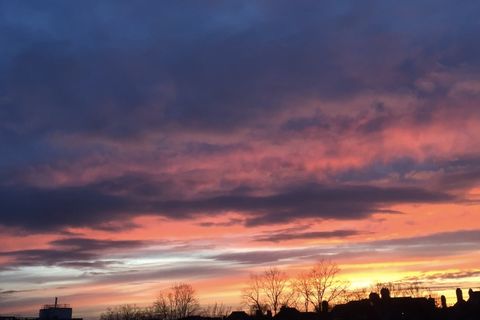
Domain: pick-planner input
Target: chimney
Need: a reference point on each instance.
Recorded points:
(444, 301)
(459, 295)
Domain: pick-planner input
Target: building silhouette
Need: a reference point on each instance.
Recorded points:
(381, 307)
(53, 311)
(376, 307)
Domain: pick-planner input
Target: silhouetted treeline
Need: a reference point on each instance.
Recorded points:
(315, 294)
(376, 307)
(308, 290)
(179, 302)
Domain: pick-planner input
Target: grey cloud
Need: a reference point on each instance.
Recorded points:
(467, 237)
(72, 252)
(448, 275)
(96, 244)
(96, 205)
(285, 236)
(256, 257)
(230, 222)
(160, 273)
(256, 56)
(433, 245)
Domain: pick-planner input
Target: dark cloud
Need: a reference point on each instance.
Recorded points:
(201, 149)
(72, 252)
(209, 104)
(163, 273)
(401, 167)
(316, 121)
(161, 66)
(9, 292)
(466, 237)
(377, 122)
(256, 257)
(285, 236)
(47, 256)
(98, 204)
(230, 222)
(461, 173)
(99, 264)
(454, 175)
(95, 244)
(447, 275)
(367, 120)
(432, 245)
(346, 202)
(40, 209)
(159, 69)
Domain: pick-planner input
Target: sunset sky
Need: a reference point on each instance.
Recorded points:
(144, 143)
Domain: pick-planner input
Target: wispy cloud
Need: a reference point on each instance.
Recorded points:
(169, 135)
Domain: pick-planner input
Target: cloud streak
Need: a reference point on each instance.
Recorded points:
(81, 206)
(164, 135)
(71, 252)
(285, 236)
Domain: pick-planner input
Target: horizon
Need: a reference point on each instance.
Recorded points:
(161, 142)
(399, 290)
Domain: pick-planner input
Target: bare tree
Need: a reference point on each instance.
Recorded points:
(252, 294)
(411, 289)
(178, 302)
(303, 287)
(148, 313)
(403, 288)
(276, 287)
(268, 290)
(356, 294)
(186, 302)
(163, 308)
(325, 283)
(123, 312)
(216, 310)
(391, 286)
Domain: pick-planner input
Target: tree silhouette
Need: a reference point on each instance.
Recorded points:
(303, 287)
(216, 310)
(252, 295)
(270, 289)
(325, 285)
(125, 312)
(403, 288)
(276, 286)
(178, 302)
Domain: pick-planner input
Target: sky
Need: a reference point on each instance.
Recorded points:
(152, 142)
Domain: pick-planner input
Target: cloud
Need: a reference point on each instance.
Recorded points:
(9, 292)
(461, 173)
(432, 245)
(102, 202)
(438, 276)
(440, 244)
(271, 112)
(72, 252)
(59, 207)
(285, 236)
(256, 257)
(460, 237)
(80, 113)
(163, 273)
(259, 58)
(95, 244)
(230, 222)
(345, 202)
